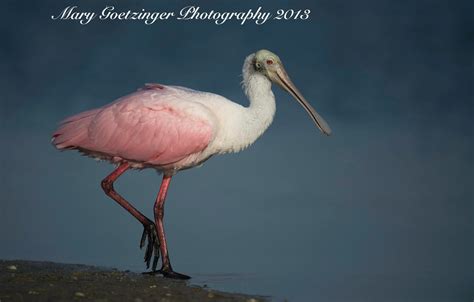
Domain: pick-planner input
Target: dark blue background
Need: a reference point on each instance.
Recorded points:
(381, 210)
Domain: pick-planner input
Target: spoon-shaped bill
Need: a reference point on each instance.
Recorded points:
(285, 82)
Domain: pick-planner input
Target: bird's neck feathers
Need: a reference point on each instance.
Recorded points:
(258, 116)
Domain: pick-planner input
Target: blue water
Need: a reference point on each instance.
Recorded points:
(357, 287)
(380, 211)
(343, 226)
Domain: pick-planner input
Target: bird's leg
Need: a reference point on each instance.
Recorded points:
(149, 230)
(158, 208)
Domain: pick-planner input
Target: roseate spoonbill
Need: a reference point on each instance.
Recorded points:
(171, 128)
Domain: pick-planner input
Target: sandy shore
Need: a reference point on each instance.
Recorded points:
(48, 281)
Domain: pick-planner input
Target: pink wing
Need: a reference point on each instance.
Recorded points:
(157, 125)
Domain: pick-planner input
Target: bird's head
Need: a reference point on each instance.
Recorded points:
(270, 65)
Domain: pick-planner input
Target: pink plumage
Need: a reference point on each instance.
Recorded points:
(172, 128)
(151, 127)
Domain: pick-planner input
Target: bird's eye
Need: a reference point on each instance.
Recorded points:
(269, 62)
(258, 65)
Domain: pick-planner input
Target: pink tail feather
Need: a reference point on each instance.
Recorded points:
(73, 131)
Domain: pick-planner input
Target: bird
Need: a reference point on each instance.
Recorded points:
(172, 128)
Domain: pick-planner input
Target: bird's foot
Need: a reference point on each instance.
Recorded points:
(174, 275)
(152, 247)
(168, 273)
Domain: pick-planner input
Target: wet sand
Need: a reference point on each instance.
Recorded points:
(48, 281)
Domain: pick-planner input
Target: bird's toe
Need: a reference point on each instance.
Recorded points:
(150, 237)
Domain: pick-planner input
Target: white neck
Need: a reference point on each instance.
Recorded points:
(255, 118)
